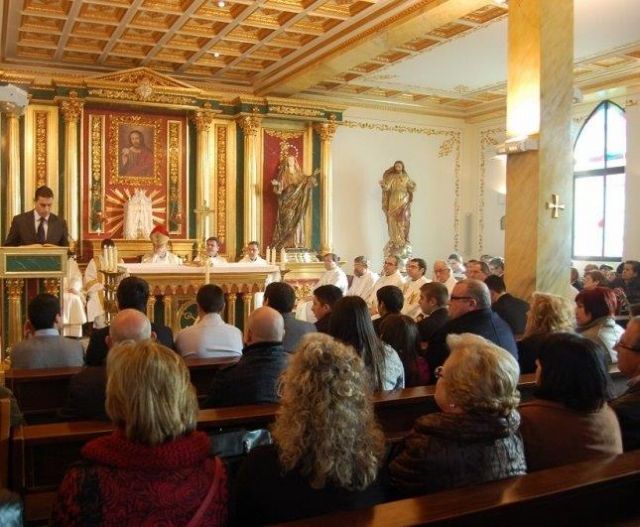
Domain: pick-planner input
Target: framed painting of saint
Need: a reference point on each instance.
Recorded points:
(136, 153)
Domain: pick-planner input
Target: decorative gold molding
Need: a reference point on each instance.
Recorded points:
(451, 144)
(283, 135)
(174, 162)
(132, 95)
(96, 171)
(290, 110)
(250, 124)
(41, 131)
(487, 139)
(202, 119)
(326, 131)
(221, 176)
(72, 107)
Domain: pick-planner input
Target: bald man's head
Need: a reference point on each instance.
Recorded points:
(265, 325)
(129, 324)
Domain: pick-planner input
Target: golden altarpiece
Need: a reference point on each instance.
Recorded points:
(203, 151)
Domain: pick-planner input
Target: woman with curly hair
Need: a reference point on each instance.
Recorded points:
(351, 324)
(475, 437)
(327, 445)
(547, 314)
(154, 454)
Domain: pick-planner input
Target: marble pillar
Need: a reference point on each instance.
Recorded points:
(250, 125)
(539, 101)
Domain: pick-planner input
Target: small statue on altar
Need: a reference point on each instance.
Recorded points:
(293, 189)
(397, 195)
(138, 216)
(161, 253)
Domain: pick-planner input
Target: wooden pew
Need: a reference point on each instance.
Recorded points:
(587, 493)
(41, 393)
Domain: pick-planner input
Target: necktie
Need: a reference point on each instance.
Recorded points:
(40, 234)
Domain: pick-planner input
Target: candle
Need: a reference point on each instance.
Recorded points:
(115, 258)
(207, 270)
(268, 255)
(104, 259)
(283, 257)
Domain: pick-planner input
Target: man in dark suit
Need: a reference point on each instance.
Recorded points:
(434, 299)
(87, 389)
(38, 225)
(281, 297)
(470, 312)
(511, 309)
(133, 293)
(390, 301)
(324, 298)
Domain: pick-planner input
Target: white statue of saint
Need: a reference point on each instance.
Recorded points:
(138, 216)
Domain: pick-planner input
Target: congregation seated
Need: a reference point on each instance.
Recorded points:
(87, 389)
(478, 270)
(510, 309)
(470, 312)
(254, 378)
(44, 347)
(310, 470)
(401, 333)
(390, 276)
(594, 279)
(324, 298)
(132, 293)
(496, 266)
(443, 274)
(627, 406)
(154, 468)
(390, 300)
(547, 314)
(282, 297)
(456, 264)
(575, 279)
(333, 275)
(364, 280)
(474, 438)
(629, 281)
(210, 336)
(595, 311)
(434, 302)
(351, 324)
(569, 420)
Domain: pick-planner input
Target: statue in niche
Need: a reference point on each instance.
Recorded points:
(138, 216)
(397, 195)
(293, 189)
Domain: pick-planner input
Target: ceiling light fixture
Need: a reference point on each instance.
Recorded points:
(221, 3)
(216, 54)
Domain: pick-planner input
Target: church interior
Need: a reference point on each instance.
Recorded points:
(190, 109)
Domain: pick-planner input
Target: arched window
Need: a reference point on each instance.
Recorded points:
(598, 184)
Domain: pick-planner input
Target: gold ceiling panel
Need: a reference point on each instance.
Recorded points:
(85, 44)
(80, 58)
(47, 7)
(609, 62)
(85, 29)
(42, 24)
(154, 19)
(449, 30)
(485, 14)
(101, 13)
(42, 40)
(35, 53)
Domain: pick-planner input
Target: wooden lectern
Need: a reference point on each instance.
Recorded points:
(31, 262)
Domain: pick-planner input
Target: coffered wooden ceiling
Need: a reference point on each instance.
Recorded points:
(335, 49)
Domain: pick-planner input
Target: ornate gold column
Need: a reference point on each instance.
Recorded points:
(247, 305)
(250, 125)
(539, 100)
(326, 131)
(15, 287)
(151, 307)
(202, 119)
(71, 110)
(14, 204)
(231, 308)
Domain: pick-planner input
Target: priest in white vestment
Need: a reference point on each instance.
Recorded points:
(212, 246)
(333, 275)
(416, 268)
(364, 279)
(138, 216)
(391, 276)
(73, 315)
(161, 254)
(443, 273)
(252, 255)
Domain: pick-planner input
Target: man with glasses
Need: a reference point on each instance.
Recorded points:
(627, 406)
(364, 279)
(443, 273)
(416, 268)
(390, 276)
(470, 312)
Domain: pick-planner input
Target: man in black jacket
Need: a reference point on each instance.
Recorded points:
(282, 297)
(470, 312)
(132, 293)
(627, 406)
(511, 309)
(434, 301)
(254, 378)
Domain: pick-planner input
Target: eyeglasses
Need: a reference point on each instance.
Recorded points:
(461, 297)
(439, 372)
(390, 263)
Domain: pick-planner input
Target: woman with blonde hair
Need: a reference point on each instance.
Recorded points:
(475, 437)
(547, 314)
(155, 468)
(327, 445)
